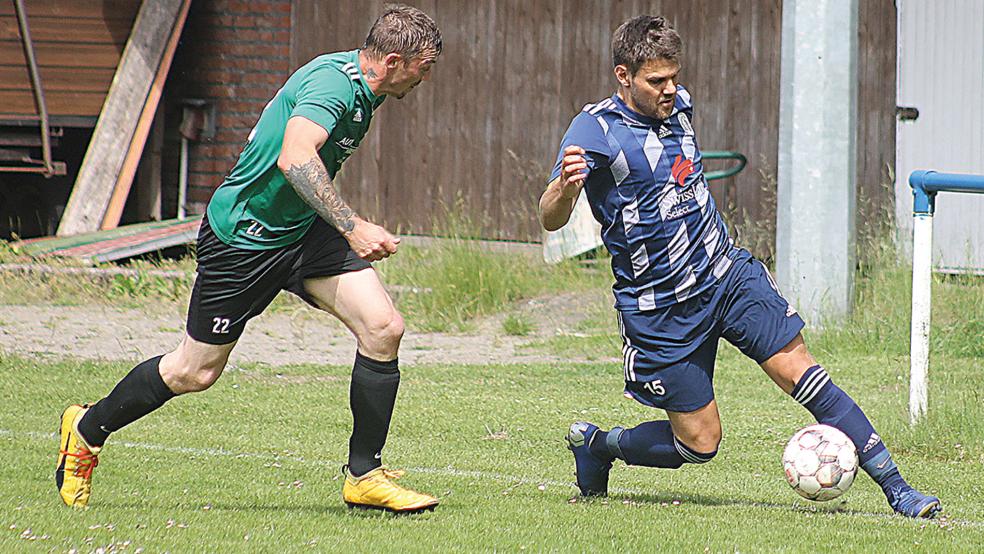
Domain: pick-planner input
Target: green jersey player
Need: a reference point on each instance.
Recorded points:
(278, 223)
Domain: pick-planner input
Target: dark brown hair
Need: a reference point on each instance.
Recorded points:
(644, 38)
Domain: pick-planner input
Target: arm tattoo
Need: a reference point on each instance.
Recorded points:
(312, 183)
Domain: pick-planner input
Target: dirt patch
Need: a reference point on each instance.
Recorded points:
(301, 336)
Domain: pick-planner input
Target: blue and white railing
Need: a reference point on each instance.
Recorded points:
(925, 185)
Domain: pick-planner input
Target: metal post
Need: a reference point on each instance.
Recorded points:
(32, 66)
(925, 185)
(183, 178)
(815, 194)
(922, 275)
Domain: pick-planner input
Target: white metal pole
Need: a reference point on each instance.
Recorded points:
(183, 178)
(922, 272)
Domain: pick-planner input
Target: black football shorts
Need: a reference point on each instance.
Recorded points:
(234, 284)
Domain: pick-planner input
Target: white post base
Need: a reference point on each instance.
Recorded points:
(922, 272)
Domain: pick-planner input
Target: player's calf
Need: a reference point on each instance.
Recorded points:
(653, 444)
(139, 393)
(832, 406)
(650, 444)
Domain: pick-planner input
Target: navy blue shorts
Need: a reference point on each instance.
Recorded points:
(668, 355)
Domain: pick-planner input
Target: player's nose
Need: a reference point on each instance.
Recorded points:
(670, 87)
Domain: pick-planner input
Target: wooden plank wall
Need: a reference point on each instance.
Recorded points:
(78, 45)
(480, 138)
(876, 116)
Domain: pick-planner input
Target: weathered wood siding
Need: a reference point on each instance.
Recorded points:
(77, 44)
(481, 137)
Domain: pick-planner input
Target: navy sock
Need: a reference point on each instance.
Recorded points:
(650, 444)
(136, 395)
(832, 406)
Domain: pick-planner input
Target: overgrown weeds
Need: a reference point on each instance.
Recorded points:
(444, 286)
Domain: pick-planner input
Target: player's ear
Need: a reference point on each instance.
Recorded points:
(623, 76)
(392, 60)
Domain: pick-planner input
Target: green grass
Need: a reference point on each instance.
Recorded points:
(458, 281)
(254, 464)
(517, 325)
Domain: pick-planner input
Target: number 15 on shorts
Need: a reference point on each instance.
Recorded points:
(655, 387)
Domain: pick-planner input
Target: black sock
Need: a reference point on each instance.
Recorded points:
(136, 395)
(372, 396)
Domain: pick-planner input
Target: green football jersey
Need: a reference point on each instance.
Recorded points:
(255, 208)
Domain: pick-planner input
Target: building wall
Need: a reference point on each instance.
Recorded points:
(77, 45)
(234, 54)
(941, 73)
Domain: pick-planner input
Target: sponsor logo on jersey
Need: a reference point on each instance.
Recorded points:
(347, 144)
(358, 115)
(663, 132)
(682, 168)
(673, 206)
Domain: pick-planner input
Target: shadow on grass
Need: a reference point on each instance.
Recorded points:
(674, 499)
(333, 509)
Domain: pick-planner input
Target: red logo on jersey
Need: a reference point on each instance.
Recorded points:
(682, 168)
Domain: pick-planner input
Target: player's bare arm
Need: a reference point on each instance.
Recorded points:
(557, 202)
(308, 176)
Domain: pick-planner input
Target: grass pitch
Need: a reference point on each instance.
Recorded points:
(253, 465)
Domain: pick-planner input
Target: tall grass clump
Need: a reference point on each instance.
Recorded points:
(880, 320)
(448, 284)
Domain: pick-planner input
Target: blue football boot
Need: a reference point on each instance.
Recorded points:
(591, 471)
(909, 502)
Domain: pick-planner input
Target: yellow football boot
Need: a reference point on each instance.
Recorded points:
(377, 491)
(76, 460)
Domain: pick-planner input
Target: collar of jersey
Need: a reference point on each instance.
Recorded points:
(634, 115)
(362, 79)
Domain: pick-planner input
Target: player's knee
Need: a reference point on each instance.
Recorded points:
(383, 334)
(697, 452)
(183, 376)
(705, 442)
(203, 377)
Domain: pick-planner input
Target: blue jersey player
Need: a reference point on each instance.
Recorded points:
(680, 283)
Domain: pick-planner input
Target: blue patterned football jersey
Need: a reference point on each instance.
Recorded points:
(646, 188)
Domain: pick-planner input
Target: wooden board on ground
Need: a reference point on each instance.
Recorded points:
(116, 244)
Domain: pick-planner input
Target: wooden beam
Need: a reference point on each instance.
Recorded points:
(125, 178)
(125, 118)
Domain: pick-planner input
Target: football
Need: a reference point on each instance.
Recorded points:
(820, 462)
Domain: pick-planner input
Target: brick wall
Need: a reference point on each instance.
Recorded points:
(234, 54)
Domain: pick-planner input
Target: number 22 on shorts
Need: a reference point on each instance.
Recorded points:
(220, 326)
